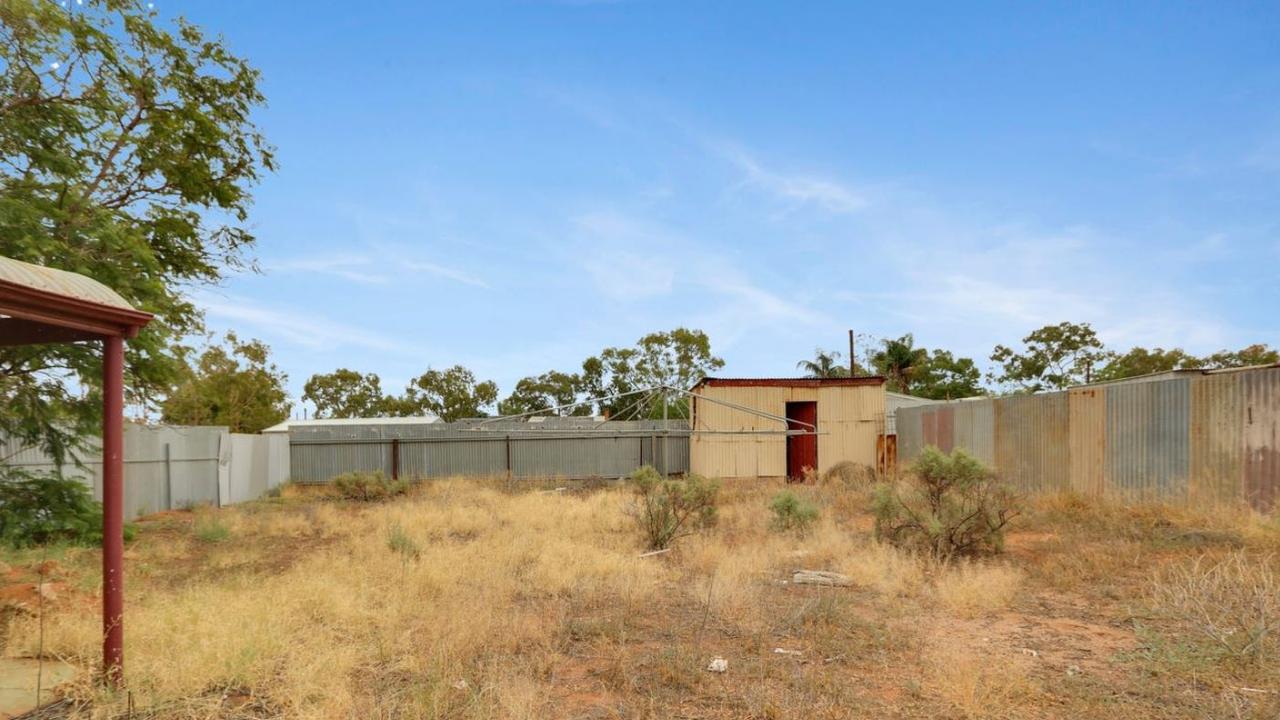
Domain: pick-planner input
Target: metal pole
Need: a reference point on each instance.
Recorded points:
(395, 458)
(168, 477)
(853, 364)
(113, 510)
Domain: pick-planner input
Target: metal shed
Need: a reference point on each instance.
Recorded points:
(778, 427)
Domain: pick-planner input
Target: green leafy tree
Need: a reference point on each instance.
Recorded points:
(450, 394)
(900, 361)
(127, 154)
(1252, 355)
(946, 377)
(237, 386)
(538, 394)
(1055, 357)
(1141, 361)
(825, 364)
(676, 359)
(346, 393)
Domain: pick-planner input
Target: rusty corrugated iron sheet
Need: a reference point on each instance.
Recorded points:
(1217, 439)
(1087, 430)
(1031, 443)
(1262, 438)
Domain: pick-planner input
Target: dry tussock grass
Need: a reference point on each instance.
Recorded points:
(506, 604)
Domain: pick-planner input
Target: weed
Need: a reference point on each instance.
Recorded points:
(399, 542)
(209, 528)
(1233, 604)
(792, 513)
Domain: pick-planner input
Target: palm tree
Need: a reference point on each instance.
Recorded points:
(899, 360)
(824, 364)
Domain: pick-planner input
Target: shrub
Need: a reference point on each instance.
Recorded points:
(670, 508)
(368, 486)
(948, 505)
(1233, 604)
(41, 508)
(792, 513)
(850, 475)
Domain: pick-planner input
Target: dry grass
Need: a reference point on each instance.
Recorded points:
(472, 599)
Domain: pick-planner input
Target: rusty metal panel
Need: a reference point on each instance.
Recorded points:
(1217, 439)
(1031, 441)
(1087, 409)
(1148, 440)
(946, 426)
(929, 427)
(1262, 438)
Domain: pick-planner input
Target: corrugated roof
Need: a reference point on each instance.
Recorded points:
(60, 282)
(326, 422)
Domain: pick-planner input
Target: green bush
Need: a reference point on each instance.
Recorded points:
(42, 508)
(399, 542)
(669, 508)
(368, 486)
(791, 512)
(947, 505)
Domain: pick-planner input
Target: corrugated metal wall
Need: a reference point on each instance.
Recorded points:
(167, 467)
(850, 417)
(1199, 438)
(556, 447)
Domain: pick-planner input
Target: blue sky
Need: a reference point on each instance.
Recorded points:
(515, 186)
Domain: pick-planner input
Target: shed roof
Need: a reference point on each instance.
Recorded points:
(868, 380)
(41, 305)
(60, 282)
(351, 422)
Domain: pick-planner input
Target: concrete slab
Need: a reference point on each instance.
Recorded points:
(18, 683)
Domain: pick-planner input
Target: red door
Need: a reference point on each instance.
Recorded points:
(802, 450)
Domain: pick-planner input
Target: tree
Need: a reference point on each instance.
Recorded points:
(944, 377)
(900, 361)
(1056, 357)
(1141, 361)
(825, 363)
(450, 395)
(1251, 355)
(345, 393)
(677, 358)
(126, 154)
(541, 393)
(236, 386)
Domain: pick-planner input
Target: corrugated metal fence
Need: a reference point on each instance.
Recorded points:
(1190, 437)
(168, 467)
(552, 447)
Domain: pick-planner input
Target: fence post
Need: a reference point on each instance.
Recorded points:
(395, 458)
(509, 473)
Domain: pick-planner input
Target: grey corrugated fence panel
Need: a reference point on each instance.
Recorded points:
(153, 480)
(258, 463)
(1148, 439)
(908, 424)
(1031, 441)
(577, 448)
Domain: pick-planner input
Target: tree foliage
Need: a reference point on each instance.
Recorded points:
(900, 361)
(946, 377)
(237, 386)
(538, 394)
(1141, 361)
(825, 364)
(1054, 357)
(450, 394)
(1244, 357)
(126, 153)
(346, 393)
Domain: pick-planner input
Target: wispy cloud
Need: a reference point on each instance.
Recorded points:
(795, 189)
(303, 328)
(445, 272)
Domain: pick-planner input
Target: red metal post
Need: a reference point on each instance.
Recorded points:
(113, 510)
